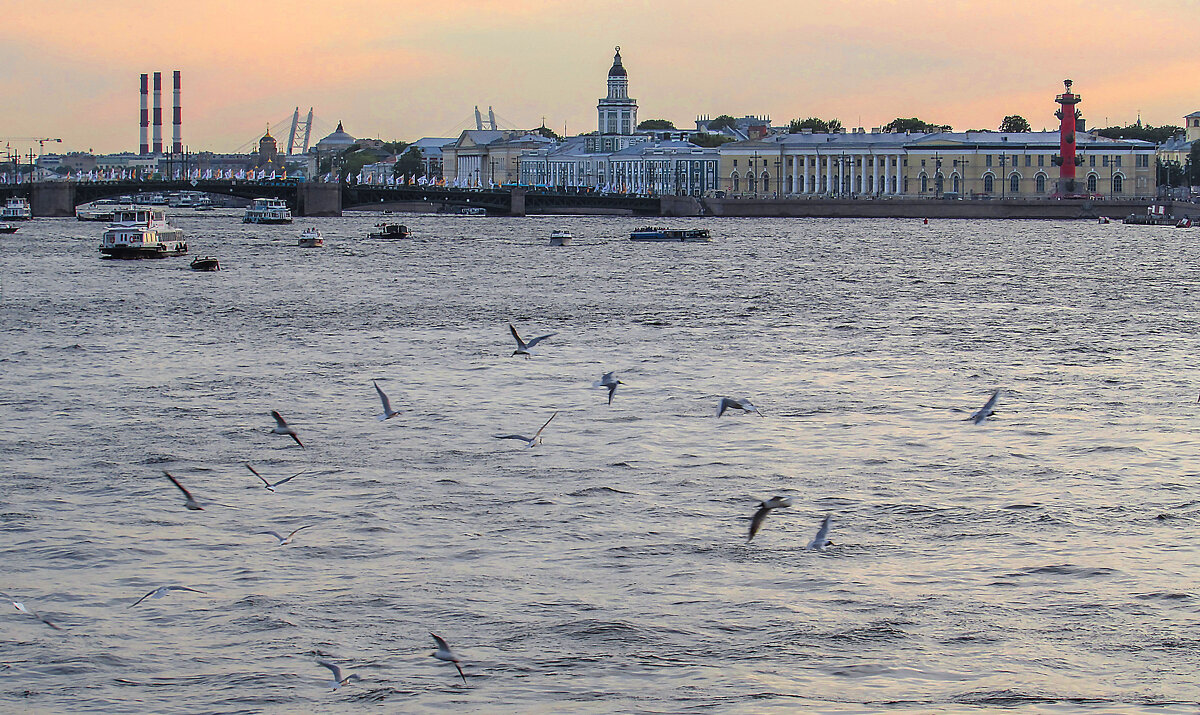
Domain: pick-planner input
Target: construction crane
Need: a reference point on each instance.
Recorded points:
(40, 140)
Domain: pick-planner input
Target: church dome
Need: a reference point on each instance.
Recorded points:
(338, 140)
(617, 70)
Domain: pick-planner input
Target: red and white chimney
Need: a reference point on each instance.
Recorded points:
(144, 127)
(177, 122)
(158, 149)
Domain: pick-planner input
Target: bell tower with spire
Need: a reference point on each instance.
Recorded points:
(617, 113)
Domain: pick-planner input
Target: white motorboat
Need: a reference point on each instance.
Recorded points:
(311, 238)
(561, 238)
(16, 209)
(271, 211)
(142, 232)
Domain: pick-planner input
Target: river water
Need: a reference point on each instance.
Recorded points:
(1044, 561)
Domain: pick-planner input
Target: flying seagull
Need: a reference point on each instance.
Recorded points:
(765, 508)
(533, 441)
(729, 403)
(190, 502)
(338, 681)
(522, 346)
(162, 591)
(281, 427)
(610, 381)
(21, 607)
(388, 412)
(268, 485)
(986, 411)
(285, 540)
(821, 540)
(443, 652)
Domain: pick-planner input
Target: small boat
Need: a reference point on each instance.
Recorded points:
(7, 228)
(1105, 219)
(204, 204)
(16, 209)
(390, 230)
(311, 238)
(472, 211)
(561, 238)
(1184, 222)
(208, 263)
(660, 234)
(269, 211)
(142, 232)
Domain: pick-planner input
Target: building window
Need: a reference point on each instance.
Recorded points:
(1041, 159)
(1118, 184)
(955, 179)
(924, 183)
(1014, 183)
(922, 163)
(1091, 184)
(766, 179)
(1092, 160)
(987, 160)
(1104, 160)
(751, 184)
(1041, 183)
(1117, 160)
(989, 183)
(735, 182)
(1028, 160)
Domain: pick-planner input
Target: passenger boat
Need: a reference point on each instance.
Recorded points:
(561, 238)
(7, 228)
(102, 210)
(273, 211)
(658, 233)
(390, 230)
(204, 204)
(1184, 222)
(472, 211)
(16, 209)
(142, 232)
(1105, 219)
(311, 238)
(208, 263)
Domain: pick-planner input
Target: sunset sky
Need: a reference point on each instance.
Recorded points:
(407, 70)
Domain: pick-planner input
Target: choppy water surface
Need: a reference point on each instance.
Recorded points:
(1045, 560)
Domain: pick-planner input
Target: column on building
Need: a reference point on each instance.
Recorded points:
(828, 174)
(853, 173)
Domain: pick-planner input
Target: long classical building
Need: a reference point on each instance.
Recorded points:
(879, 164)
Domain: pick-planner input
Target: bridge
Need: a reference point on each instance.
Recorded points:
(59, 198)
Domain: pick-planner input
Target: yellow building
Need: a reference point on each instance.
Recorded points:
(487, 157)
(1177, 149)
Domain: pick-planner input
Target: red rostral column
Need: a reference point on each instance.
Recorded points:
(1069, 123)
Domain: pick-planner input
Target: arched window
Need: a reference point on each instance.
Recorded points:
(1091, 184)
(791, 189)
(766, 179)
(954, 179)
(989, 183)
(1118, 184)
(751, 184)
(1014, 183)
(734, 182)
(939, 183)
(1041, 183)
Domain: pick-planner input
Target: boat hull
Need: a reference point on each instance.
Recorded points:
(258, 219)
(128, 253)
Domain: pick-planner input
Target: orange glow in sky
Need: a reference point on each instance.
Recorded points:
(406, 70)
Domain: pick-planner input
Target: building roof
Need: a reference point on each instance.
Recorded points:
(618, 69)
(339, 137)
(1193, 115)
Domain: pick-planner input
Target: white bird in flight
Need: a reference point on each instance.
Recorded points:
(765, 508)
(22, 608)
(190, 502)
(522, 346)
(162, 591)
(271, 486)
(338, 681)
(986, 411)
(533, 441)
(729, 403)
(443, 652)
(285, 540)
(388, 412)
(610, 381)
(281, 427)
(821, 540)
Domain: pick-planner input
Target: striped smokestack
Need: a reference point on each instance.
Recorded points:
(177, 122)
(158, 112)
(144, 127)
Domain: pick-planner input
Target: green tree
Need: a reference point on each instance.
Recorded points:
(409, 163)
(1194, 164)
(652, 124)
(917, 126)
(818, 126)
(1170, 173)
(723, 121)
(547, 132)
(1015, 123)
(709, 141)
(1142, 132)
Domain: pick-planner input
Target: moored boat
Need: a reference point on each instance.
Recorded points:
(311, 238)
(676, 235)
(16, 209)
(207, 263)
(269, 211)
(561, 238)
(142, 232)
(7, 228)
(101, 210)
(1184, 222)
(390, 230)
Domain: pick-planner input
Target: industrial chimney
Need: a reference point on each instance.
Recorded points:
(158, 113)
(177, 125)
(144, 127)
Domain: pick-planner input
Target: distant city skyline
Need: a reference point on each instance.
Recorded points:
(403, 72)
